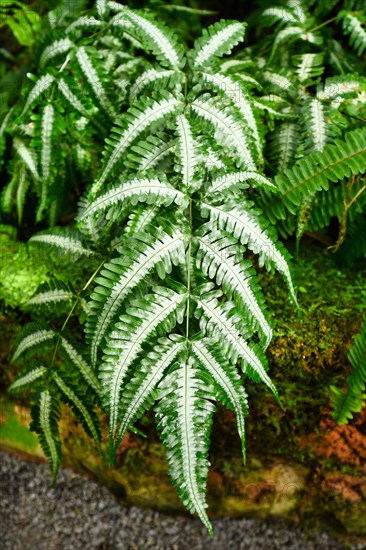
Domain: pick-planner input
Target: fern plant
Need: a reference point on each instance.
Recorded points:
(322, 113)
(183, 160)
(176, 318)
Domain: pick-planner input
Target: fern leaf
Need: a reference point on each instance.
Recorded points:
(186, 150)
(337, 161)
(140, 219)
(284, 145)
(41, 86)
(125, 342)
(46, 151)
(354, 399)
(32, 336)
(143, 190)
(157, 38)
(234, 91)
(71, 97)
(22, 189)
(84, 22)
(185, 417)
(217, 40)
(244, 225)
(87, 417)
(52, 293)
(141, 391)
(235, 179)
(151, 76)
(22, 381)
(27, 157)
(308, 66)
(46, 414)
(66, 241)
(282, 14)
(219, 259)
(214, 320)
(137, 122)
(230, 129)
(152, 152)
(79, 362)
(86, 65)
(354, 25)
(122, 274)
(229, 388)
(102, 7)
(317, 124)
(58, 47)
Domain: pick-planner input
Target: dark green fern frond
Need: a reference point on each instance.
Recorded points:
(351, 401)
(340, 160)
(46, 414)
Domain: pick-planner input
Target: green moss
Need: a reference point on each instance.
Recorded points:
(14, 433)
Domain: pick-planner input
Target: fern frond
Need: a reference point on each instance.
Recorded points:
(245, 225)
(308, 66)
(157, 38)
(84, 22)
(22, 189)
(86, 65)
(162, 308)
(102, 7)
(71, 98)
(79, 362)
(354, 399)
(354, 25)
(279, 14)
(66, 240)
(220, 259)
(228, 386)
(46, 413)
(32, 336)
(230, 181)
(234, 91)
(137, 119)
(313, 172)
(24, 380)
(141, 391)
(185, 416)
(58, 47)
(284, 144)
(215, 319)
(122, 274)
(134, 191)
(228, 129)
(155, 77)
(150, 153)
(88, 418)
(41, 86)
(217, 40)
(27, 156)
(52, 293)
(186, 151)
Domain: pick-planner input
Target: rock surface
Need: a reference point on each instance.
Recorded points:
(79, 513)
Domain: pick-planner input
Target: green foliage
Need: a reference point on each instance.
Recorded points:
(183, 164)
(351, 401)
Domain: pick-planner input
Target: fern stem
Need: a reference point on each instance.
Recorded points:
(322, 24)
(189, 269)
(72, 310)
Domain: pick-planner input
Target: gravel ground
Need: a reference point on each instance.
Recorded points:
(81, 514)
